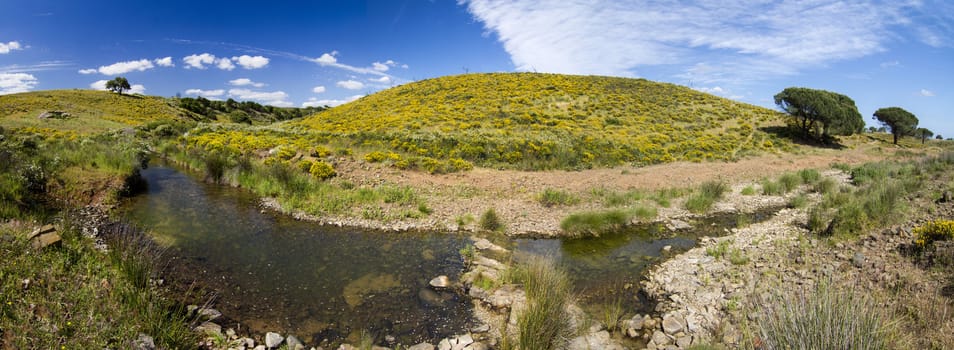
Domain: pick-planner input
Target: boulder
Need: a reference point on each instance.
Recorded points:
(44, 236)
(672, 324)
(858, 259)
(484, 244)
(440, 282)
(293, 343)
(597, 340)
(273, 340)
(661, 339)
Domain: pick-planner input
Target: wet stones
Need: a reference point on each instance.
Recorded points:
(273, 339)
(440, 282)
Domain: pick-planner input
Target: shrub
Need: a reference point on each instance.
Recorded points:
(645, 212)
(375, 157)
(938, 230)
(799, 201)
(789, 182)
(705, 197)
(748, 191)
(553, 197)
(595, 223)
(544, 324)
(825, 186)
(809, 176)
(322, 170)
(826, 318)
(771, 188)
(490, 221)
(215, 164)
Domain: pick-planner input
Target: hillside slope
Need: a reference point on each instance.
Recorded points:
(89, 111)
(545, 121)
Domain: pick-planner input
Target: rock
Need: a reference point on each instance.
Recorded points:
(209, 328)
(597, 340)
(208, 314)
(430, 297)
(667, 248)
(444, 344)
(41, 230)
(484, 328)
(477, 346)
(273, 340)
(858, 260)
(440, 282)
(260, 347)
(293, 343)
(946, 197)
(678, 225)
(54, 115)
(44, 237)
(661, 338)
(422, 346)
(484, 244)
(673, 324)
(144, 342)
(684, 341)
(487, 262)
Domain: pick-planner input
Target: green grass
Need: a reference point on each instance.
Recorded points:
(490, 221)
(595, 223)
(705, 196)
(826, 318)
(748, 191)
(553, 197)
(544, 324)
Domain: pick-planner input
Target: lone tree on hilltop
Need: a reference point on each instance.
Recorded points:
(821, 113)
(900, 121)
(118, 85)
(924, 134)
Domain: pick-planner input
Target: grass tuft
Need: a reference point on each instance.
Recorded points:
(595, 223)
(490, 221)
(553, 197)
(707, 194)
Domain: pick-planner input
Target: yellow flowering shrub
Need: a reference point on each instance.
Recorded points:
(939, 230)
(322, 170)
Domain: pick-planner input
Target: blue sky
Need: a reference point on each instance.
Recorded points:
(299, 53)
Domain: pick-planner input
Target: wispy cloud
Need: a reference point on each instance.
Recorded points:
(926, 93)
(164, 62)
(10, 46)
(37, 67)
(890, 64)
(11, 83)
(121, 67)
(318, 89)
(350, 84)
(205, 93)
(134, 89)
(715, 41)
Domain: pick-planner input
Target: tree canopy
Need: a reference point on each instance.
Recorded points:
(118, 85)
(820, 113)
(898, 120)
(924, 134)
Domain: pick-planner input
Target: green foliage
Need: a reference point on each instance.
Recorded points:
(544, 324)
(924, 134)
(820, 113)
(553, 197)
(809, 176)
(707, 194)
(490, 221)
(898, 120)
(748, 191)
(825, 186)
(772, 188)
(595, 223)
(826, 318)
(799, 201)
(322, 170)
(789, 182)
(118, 85)
(645, 212)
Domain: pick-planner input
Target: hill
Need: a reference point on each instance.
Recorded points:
(88, 111)
(550, 121)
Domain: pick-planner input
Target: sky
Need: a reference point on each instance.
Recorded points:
(313, 53)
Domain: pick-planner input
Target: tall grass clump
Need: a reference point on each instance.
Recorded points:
(553, 197)
(826, 318)
(809, 176)
(789, 182)
(490, 221)
(595, 223)
(545, 323)
(705, 196)
(877, 200)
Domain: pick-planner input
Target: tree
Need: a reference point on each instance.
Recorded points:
(821, 113)
(924, 134)
(118, 85)
(900, 121)
(939, 137)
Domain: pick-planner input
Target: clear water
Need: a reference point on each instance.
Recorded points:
(272, 273)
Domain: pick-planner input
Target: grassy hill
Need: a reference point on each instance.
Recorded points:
(89, 111)
(545, 121)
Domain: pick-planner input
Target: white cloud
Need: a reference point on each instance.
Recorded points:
(350, 84)
(251, 62)
(88, 71)
(205, 93)
(327, 58)
(275, 98)
(380, 67)
(224, 64)
(10, 46)
(382, 80)
(245, 82)
(741, 39)
(125, 67)
(134, 88)
(318, 89)
(11, 83)
(198, 61)
(314, 102)
(926, 93)
(717, 90)
(890, 64)
(164, 62)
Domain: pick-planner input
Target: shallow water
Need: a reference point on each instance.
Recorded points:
(273, 273)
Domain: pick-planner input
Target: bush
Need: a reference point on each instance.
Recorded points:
(375, 157)
(552, 197)
(938, 230)
(544, 324)
(771, 188)
(809, 176)
(789, 182)
(215, 164)
(825, 186)
(595, 223)
(826, 319)
(706, 196)
(490, 221)
(322, 170)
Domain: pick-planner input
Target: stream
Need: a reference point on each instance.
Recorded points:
(324, 284)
